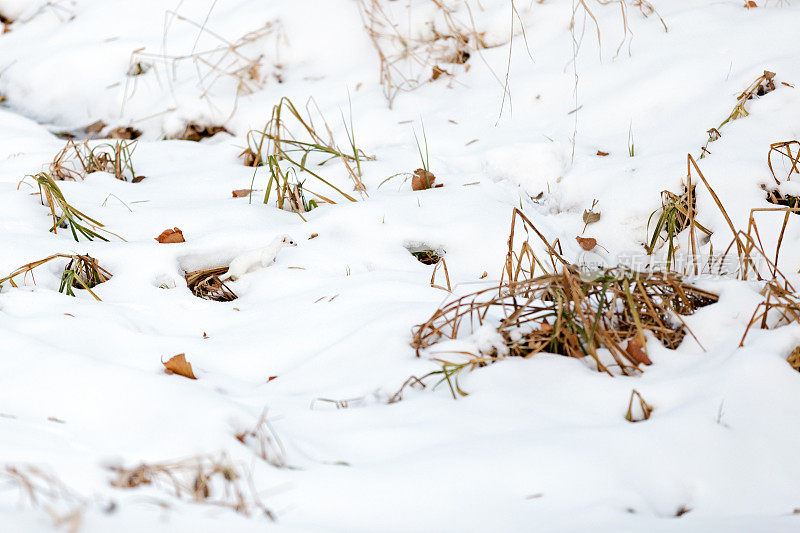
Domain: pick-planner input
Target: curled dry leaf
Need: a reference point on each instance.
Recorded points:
(170, 236)
(313, 236)
(602, 153)
(484, 275)
(241, 193)
(587, 243)
(637, 353)
(750, 4)
(438, 72)
(137, 179)
(179, 365)
(422, 180)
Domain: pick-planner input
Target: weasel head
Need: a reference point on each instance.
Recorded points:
(285, 240)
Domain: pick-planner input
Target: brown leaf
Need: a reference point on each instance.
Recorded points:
(95, 127)
(587, 243)
(171, 236)
(241, 193)
(750, 4)
(422, 180)
(137, 179)
(590, 217)
(124, 132)
(179, 365)
(636, 352)
(483, 276)
(602, 153)
(195, 132)
(438, 72)
(313, 236)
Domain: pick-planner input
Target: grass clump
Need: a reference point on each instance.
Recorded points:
(75, 161)
(81, 271)
(570, 315)
(210, 480)
(43, 490)
(291, 145)
(205, 283)
(65, 215)
(605, 316)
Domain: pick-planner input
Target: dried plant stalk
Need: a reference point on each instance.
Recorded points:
(212, 480)
(205, 283)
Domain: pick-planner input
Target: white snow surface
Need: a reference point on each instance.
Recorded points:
(539, 444)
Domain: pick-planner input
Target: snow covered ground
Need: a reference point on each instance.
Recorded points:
(538, 444)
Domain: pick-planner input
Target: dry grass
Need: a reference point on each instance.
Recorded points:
(64, 215)
(644, 409)
(205, 283)
(75, 161)
(42, 490)
(678, 213)
(784, 151)
(781, 306)
(240, 61)
(264, 442)
(564, 311)
(408, 61)
(776, 197)
(569, 315)
(759, 87)
(209, 480)
(291, 145)
(81, 271)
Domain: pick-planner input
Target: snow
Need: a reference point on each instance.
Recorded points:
(539, 443)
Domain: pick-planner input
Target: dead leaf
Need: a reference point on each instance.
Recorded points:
(422, 180)
(195, 132)
(590, 217)
(271, 378)
(313, 236)
(635, 350)
(205, 336)
(137, 179)
(179, 365)
(171, 236)
(483, 276)
(241, 193)
(601, 153)
(438, 72)
(587, 243)
(95, 127)
(750, 4)
(124, 132)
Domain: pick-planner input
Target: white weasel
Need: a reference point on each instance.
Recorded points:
(242, 263)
